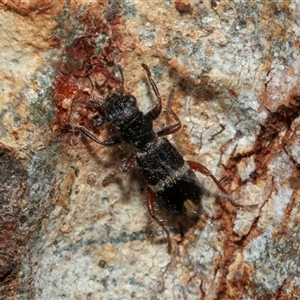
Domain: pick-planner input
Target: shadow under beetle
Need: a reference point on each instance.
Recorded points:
(171, 180)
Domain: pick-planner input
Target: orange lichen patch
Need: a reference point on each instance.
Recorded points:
(74, 86)
(95, 21)
(285, 232)
(277, 33)
(231, 248)
(273, 27)
(288, 290)
(181, 70)
(238, 278)
(234, 275)
(64, 90)
(25, 8)
(296, 42)
(202, 223)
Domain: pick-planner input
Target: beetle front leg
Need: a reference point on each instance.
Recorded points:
(112, 141)
(100, 119)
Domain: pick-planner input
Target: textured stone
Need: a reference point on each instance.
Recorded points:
(71, 228)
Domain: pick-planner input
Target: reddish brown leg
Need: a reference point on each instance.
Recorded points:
(122, 79)
(202, 169)
(156, 110)
(151, 209)
(170, 129)
(112, 141)
(173, 128)
(129, 163)
(94, 104)
(99, 119)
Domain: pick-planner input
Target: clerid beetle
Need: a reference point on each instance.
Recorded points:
(171, 180)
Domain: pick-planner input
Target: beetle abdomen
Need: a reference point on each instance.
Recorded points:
(172, 181)
(181, 196)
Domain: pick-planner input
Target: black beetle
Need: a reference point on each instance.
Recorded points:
(171, 180)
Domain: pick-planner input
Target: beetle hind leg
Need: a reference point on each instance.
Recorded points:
(151, 209)
(202, 169)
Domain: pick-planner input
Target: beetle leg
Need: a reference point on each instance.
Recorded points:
(129, 163)
(151, 209)
(112, 141)
(92, 103)
(202, 169)
(172, 128)
(156, 110)
(99, 120)
(122, 79)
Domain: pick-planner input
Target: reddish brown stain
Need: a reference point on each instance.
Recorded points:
(183, 7)
(63, 90)
(81, 47)
(25, 8)
(269, 141)
(85, 73)
(272, 139)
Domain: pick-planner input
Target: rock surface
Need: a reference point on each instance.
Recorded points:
(72, 226)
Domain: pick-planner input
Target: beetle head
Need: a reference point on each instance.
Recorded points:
(120, 107)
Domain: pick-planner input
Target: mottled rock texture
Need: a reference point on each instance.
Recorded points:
(72, 226)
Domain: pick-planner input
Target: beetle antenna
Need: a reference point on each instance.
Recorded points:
(122, 78)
